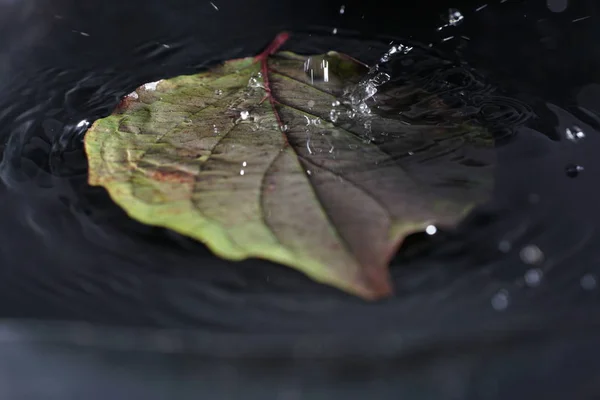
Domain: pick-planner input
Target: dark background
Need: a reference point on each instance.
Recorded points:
(95, 305)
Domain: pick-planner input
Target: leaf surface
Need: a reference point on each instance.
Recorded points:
(255, 158)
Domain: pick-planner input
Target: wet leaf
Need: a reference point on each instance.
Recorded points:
(256, 158)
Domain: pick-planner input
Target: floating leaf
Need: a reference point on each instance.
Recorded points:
(312, 162)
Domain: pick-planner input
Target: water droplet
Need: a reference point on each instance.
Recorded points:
(334, 31)
(218, 92)
(381, 78)
(533, 277)
(531, 254)
(363, 108)
(573, 170)
(151, 86)
(285, 128)
(399, 49)
(309, 172)
(253, 82)
(83, 123)
(431, 230)
(214, 6)
(455, 17)
(342, 9)
(504, 246)
(588, 282)
(244, 164)
(215, 129)
(335, 103)
(333, 115)
(574, 134)
(500, 300)
(242, 172)
(244, 115)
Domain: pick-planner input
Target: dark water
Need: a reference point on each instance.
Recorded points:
(474, 310)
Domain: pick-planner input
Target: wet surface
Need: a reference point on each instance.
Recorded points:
(524, 264)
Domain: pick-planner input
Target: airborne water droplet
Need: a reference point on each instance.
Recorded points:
(575, 134)
(573, 170)
(244, 115)
(342, 9)
(531, 254)
(533, 277)
(588, 282)
(500, 300)
(455, 17)
(431, 230)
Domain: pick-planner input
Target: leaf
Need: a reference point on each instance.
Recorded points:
(256, 159)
